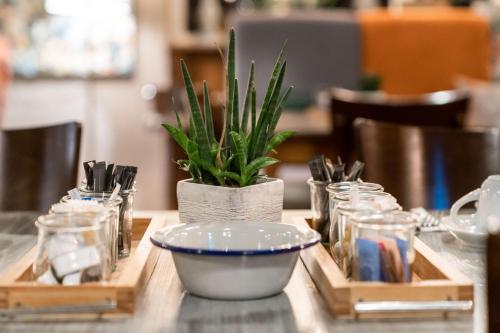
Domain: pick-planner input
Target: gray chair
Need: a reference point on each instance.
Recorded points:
(323, 50)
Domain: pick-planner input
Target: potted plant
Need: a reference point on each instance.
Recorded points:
(226, 183)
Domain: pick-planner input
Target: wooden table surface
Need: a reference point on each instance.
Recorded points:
(166, 307)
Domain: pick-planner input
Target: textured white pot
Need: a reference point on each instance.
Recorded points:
(260, 202)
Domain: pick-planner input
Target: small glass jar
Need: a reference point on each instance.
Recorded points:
(340, 229)
(334, 189)
(383, 246)
(319, 206)
(125, 215)
(113, 206)
(72, 249)
(86, 207)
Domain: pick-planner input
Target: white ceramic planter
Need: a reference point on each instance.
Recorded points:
(261, 202)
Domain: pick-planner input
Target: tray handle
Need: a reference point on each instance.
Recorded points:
(412, 306)
(59, 309)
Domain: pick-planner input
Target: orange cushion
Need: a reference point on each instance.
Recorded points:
(419, 50)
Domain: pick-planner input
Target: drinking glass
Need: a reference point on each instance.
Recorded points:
(72, 249)
(383, 246)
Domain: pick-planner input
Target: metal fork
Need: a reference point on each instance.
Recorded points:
(427, 220)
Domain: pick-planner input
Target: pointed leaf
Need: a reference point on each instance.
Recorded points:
(277, 113)
(241, 149)
(199, 126)
(248, 97)
(207, 108)
(265, 117)
(252, 169)
(277, 139)
(236, 108)
(178, 135)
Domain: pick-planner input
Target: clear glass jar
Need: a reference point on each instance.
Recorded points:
(72, 249)
(319, 206)
(125, 215)
(383, 246)
(335, 189)
(340, 230)
(84, 207)
(114, 208)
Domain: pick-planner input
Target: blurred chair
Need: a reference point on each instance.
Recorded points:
(38, 166)
(323, 49)
(442, 108)
(429, 167)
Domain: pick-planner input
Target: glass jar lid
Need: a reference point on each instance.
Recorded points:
(384, 220)
(348, 186)
(72, 222)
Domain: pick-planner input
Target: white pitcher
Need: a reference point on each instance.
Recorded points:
(488, 208)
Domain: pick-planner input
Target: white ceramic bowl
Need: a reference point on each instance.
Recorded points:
(235, 260)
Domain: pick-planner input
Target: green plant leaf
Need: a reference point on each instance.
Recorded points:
(253, 168)
(230, 77)
(241, 149)
(262, 132)
(198, 122)
(232, 175)
(277, 139)
(248, 97)
(178, 135)
(254, 109)
(278, 111)
(236, 108)
(207, 108)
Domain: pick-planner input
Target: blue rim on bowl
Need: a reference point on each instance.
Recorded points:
(312, 240)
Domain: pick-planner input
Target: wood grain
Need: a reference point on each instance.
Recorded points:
(18, 290)
(437, 281)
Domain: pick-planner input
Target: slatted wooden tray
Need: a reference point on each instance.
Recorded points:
(21, 296)
(437, 289)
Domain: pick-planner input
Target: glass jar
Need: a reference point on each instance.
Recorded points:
(319, 206)
(340, 230)
(382, 246)
(72, 249)
(87, 207)
(125, 215)
(334, 189)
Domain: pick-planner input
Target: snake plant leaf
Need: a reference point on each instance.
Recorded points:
(235, 108)
(254, 108)
(230, 79)
(179, 122)
(198, 122)
(278, 111)
(277, 139)
(254, 166)
(241, 149)
(195, 156)
(207, 109)
(232, 175)
(178, 135)
(267, 114)
(274, 77)
(248, 98)
(191, 130)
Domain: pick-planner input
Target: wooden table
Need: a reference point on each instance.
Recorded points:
(166, 307)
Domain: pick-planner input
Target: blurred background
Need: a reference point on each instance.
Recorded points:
(113, 66)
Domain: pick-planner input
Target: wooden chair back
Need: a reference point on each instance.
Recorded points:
(38, 165)
(443, 108)
(429, 167)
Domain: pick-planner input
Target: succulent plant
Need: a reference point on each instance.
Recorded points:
(236, 158)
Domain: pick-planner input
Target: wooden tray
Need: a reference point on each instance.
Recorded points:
(20, 296)
(437, 288)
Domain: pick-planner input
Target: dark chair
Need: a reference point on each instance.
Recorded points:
(38, 166)
(427, 166)
(442, 108)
